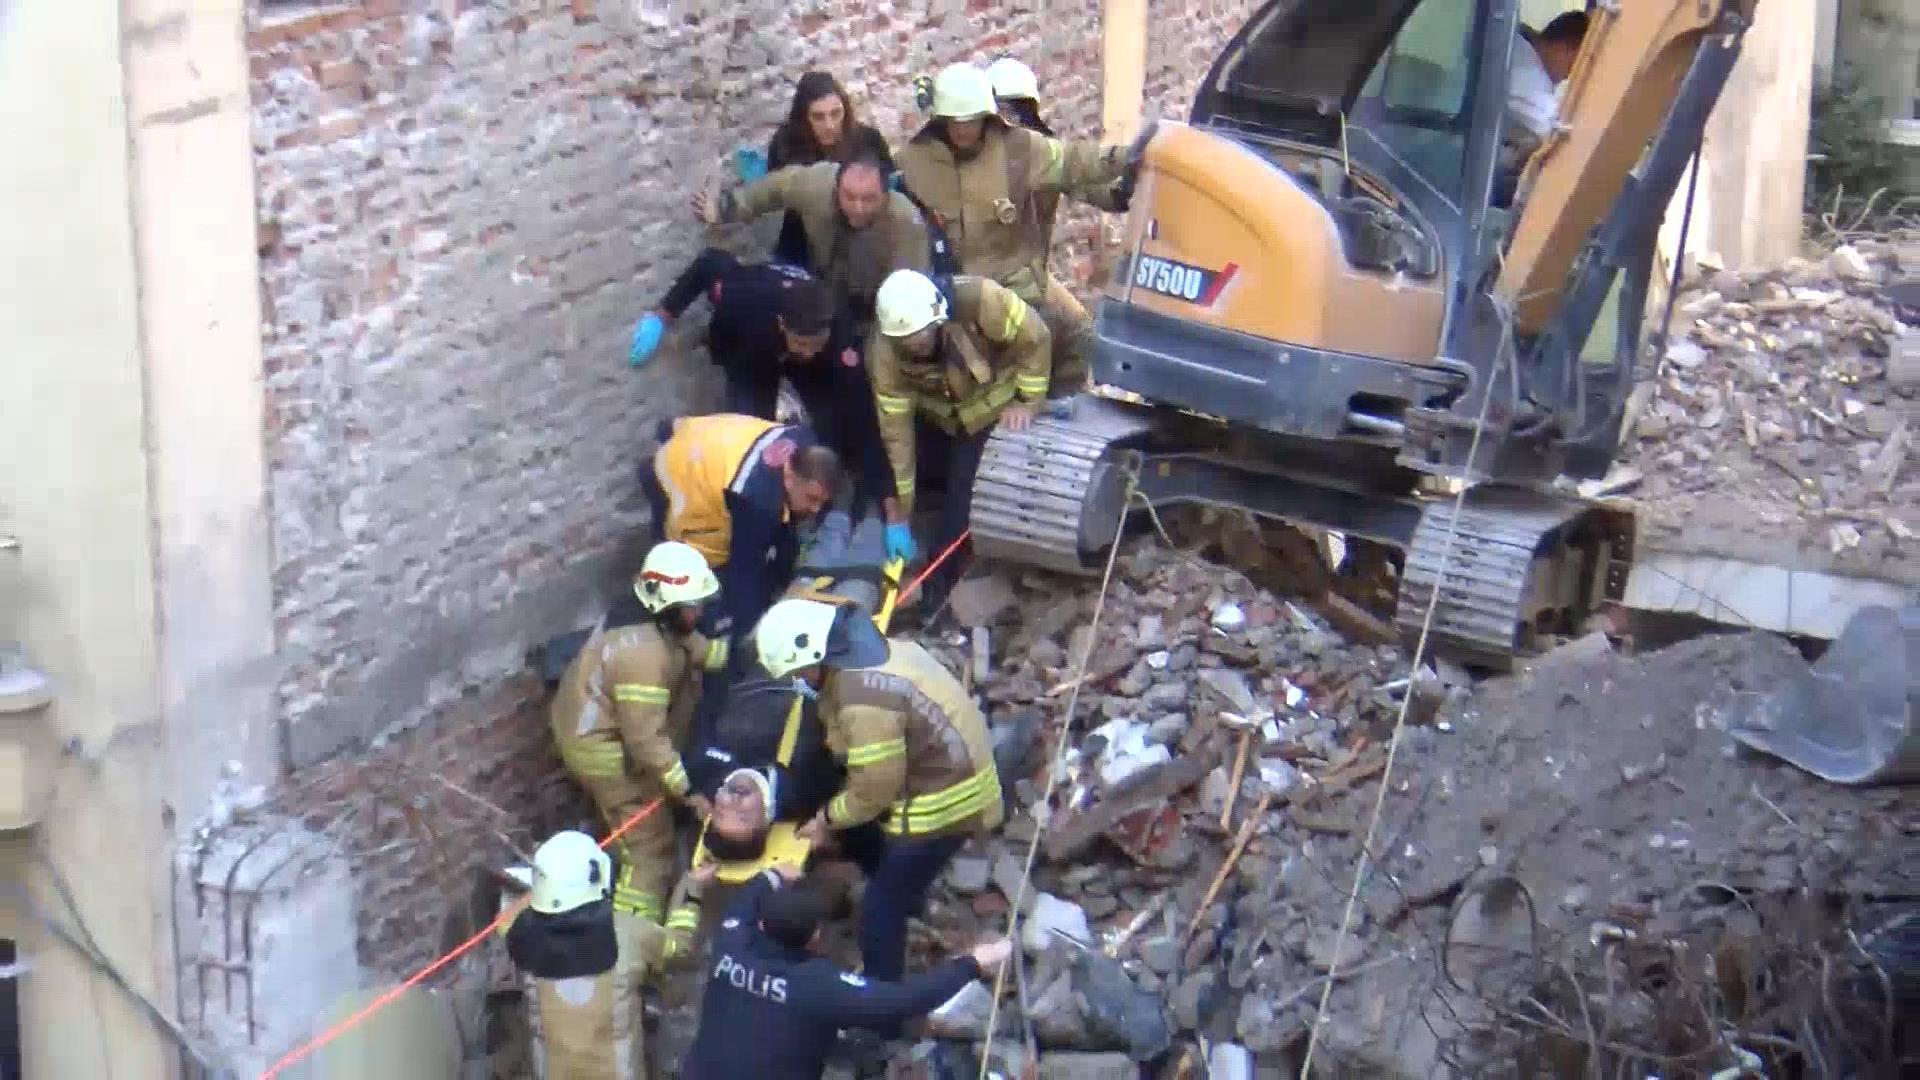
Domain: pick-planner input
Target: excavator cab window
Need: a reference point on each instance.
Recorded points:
(1415, 104)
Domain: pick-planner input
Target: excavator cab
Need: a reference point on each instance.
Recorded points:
(1346, 273)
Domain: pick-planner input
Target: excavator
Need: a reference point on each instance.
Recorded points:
(1346, 303)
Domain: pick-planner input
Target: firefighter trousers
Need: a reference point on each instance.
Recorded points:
(1072, 329)
(645, 852)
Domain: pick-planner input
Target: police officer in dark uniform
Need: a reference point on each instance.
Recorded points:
(769, 321)
(772, 1010)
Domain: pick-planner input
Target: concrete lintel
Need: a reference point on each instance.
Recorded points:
(1747, 594)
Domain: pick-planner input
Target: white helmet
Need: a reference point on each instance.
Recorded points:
(570, 871)
(673, 574)
(962, 92)
(907, 303)
(1012, 79)
(795, 634)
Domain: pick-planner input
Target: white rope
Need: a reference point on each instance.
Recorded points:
(1400, 721)
(1053, 776)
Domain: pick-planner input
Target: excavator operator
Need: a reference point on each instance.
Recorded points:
(979, 176)
(983, 359)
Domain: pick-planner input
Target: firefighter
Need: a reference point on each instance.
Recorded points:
(584, 966)
(1016, 93)
(771, 321)
(857, 230)
(772, 1009)
(982, 360)
(624, 706)
(734, 488)
(979, 176)
(918, 756)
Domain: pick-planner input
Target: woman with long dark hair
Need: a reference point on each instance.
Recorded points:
(819, 127)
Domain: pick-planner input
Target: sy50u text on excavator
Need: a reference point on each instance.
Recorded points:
(1323, 301)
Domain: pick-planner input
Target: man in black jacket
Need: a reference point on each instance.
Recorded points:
(770, 321)
(772, 1009)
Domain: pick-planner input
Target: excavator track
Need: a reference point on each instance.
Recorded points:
(1512, 559)
(1515, 560)
(1052, 496)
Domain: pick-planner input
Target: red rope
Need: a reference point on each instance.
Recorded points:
(935, 564)
(305, 1050)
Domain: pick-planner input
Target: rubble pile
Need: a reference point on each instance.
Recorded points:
(1781, 402)
(1225, 757)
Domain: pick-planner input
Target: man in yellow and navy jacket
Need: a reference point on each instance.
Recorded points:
(622, 710)
(734, 488)
(918, 755)
(963, 363)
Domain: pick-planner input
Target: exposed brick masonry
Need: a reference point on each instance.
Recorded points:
(462, 209)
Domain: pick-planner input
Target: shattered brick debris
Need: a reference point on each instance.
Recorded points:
(1208, 813)
(1781, 403)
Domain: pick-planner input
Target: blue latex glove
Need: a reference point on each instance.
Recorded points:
(646, 338)
(899, 542)
(749, 164)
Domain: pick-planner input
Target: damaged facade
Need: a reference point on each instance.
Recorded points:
(373, 434)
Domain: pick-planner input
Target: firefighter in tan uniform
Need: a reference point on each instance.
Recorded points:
(1016, 93)
(918, 755)
(857, 230)
(623, 710)
(584, 974)
(980, 177)
(985, 360)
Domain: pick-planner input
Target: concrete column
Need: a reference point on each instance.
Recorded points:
(1123, 29)
(74, 490)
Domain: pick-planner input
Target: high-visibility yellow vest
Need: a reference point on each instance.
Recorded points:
(706, 457)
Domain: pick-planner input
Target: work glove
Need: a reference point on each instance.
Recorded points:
(646, 339)
(923, 92)
(899, 542)
(749, 164)
(1137, 152)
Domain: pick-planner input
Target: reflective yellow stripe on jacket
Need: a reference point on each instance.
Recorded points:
(879, 751)
(937, 810)
(601, 758)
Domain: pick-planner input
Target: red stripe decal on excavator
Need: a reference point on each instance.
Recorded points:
(1219, 283)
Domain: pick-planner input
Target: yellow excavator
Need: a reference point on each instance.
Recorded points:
(1326, 312)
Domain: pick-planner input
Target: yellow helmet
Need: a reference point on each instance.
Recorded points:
(908, 302)
(673, 574)
(962, 92)
(570, 871)
(796, 634)
(1012, 79)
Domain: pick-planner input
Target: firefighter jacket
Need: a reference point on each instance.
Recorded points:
(773, 1012)
(916, 747)
(583, 976)
(624, 705)
(993, 350)
(852, 262)
(986, 202)
(723, 477)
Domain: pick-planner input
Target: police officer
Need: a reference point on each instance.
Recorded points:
(583, 974)
(624, 705)
(769, 321)
(772, 1009)
(979, 175)
(857, 230)
(983, 359)
(918, 756)
(734, 488)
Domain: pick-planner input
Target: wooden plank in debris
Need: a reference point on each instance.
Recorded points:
(1162, 782)
(1356, 623)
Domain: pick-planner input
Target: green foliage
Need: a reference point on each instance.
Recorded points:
(1851, 159)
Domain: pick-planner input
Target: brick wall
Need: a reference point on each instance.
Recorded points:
(462, 207)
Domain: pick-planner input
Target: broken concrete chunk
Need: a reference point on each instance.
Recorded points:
(1052, 918)
(969, 875)
(1161, 955)
(1229, 1061)
(978, 600)
(1066, 1065)
(964, 1015)
(1118, 1011)
(1847, 264)
(1195, 1001)
(1231, 688)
